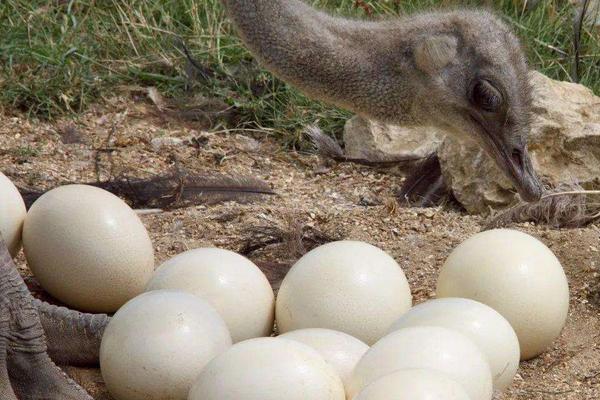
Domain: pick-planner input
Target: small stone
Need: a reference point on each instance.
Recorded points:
(369, 200)
(246, 143)
(165, 141)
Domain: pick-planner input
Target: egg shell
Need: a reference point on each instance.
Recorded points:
(480, 323)
(156, 345)
(12, 215)
(339, 349)
(413, 384)
(518, 276)
(426, 347)
(234, 285)
(268, 369)
(348, 286)
(87, 248)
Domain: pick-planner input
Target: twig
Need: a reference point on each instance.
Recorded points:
(577, 39)
(549, 46)
(569, 193)
(149, 211)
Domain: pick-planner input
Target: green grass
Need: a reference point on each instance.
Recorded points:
(57, 57)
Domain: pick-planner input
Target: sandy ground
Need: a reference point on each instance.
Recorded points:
(341, 201)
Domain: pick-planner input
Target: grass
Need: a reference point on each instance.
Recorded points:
(57, 57)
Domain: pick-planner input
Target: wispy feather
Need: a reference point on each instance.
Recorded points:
(298, 237)
(567, 206)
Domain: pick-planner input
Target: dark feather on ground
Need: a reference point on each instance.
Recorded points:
(175, 190)
(424, 186)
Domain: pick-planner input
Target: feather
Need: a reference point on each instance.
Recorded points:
(567, 206)
(176, 190)
(325, 145)
(193, 68)
(424, 186)
(328, 148)
(298, 237)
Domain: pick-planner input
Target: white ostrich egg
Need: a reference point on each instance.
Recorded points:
(268, 369)
(516, 275)
(12, 215)
(87, 248)
(427, 347)
(480, 323)
(348, 286)
(156, 345)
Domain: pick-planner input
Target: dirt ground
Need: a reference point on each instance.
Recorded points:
(340, 200)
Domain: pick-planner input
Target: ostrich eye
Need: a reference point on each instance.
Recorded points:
(486, 96)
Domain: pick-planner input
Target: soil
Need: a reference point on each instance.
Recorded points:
(337, 200)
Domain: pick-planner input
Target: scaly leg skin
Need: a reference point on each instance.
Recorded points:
(6, 391)
(73, 338)
(23, 351)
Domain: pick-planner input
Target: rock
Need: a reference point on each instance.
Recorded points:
(564, 144)
(592, 15)
(474, 179)
(376, 141)
(165, 141)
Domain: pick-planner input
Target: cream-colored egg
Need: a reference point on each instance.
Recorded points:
(12, 215)
(268, 369)
(414, 384)
(516, 275)
(426, 347)
(156, 345)
(348, 286)
(87, 248)
(237, 288)
(339, 349)
(480, 323)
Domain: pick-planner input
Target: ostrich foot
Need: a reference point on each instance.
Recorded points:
(26, 370)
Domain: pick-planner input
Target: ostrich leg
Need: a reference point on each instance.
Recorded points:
(6, 392)
(73, 338)
(23, 352)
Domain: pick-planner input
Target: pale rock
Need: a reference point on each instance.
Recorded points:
(592, 15)
(376, 141)
(564, 144)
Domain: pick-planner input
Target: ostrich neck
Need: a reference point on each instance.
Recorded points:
(343, 62)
